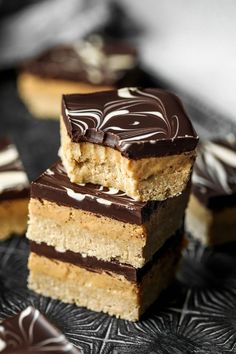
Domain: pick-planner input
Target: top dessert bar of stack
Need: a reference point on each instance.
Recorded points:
(139, 141)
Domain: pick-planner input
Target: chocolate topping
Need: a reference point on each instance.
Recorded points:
(91, 61)
(137, 122)
(97, 265)
(214, 174)
(30, 332)
(55, 186)
(13, 179)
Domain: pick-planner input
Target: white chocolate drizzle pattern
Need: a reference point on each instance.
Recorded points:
(129, 106)
(28, 333)
(12, 174)
(215, 167)
(103, 191)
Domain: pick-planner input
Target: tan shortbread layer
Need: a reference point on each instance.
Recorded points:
(210, 227)
(95, 235)
(13, 217)
(155, 178)
(107, 292)
(42, 96)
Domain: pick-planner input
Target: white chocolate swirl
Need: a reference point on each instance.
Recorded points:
(136, 116)
(215, 167)
(25, 332)
(12, 175)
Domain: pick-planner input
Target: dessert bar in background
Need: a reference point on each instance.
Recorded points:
(211, 213)
(97, 221)
(89, 65)
(14, 191)
(31, 332)
(139, 141)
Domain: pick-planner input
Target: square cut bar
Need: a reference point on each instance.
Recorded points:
(99, 221)
(31, 332)
(90, 65)
(211, 213)
(117, 289)
(138, 141)
(14, 191)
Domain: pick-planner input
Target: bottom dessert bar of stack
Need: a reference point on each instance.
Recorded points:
(96, 247)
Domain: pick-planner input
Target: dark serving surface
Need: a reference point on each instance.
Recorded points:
(196, 315)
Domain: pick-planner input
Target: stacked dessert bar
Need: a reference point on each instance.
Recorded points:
(106, 223)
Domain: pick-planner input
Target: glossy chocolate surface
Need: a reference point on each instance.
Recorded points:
(214, 174)
(92, 61)
(30, 332)
(13, 179)
(54, 185)
(137, 122)
(97, 265)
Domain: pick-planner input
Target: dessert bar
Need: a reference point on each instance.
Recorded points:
(31, 332)
(84, 66)
(211, 213)
(139, 141)
(99, 221)
(14, 191)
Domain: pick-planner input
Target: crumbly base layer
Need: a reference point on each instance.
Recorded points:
(42, 96)
(80, 231)
(13, 217)
(107, 292)
(208, 226)
(155, 178)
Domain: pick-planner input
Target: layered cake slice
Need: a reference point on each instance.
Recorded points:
(139, 141)
(118, 289)
(84, 66)
(14, 191)
(100, 222)
(211, 213)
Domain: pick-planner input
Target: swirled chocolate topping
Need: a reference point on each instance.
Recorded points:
(13, 179)
(92, 60)
(137, 122)
(214, 173)
(30, 332)
(55, 186)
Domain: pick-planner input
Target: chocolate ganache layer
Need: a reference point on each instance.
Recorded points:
(93, 60)
(137, 122)
(214, 173)
(97, 265)
(54, 185)
(31, 332)
(13, 179)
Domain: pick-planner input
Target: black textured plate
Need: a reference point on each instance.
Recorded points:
(196, 315)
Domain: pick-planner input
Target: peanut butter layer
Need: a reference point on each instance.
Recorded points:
(91, 234)
(92, 263)
(156, 178)
(102, 291)
(211, 227)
